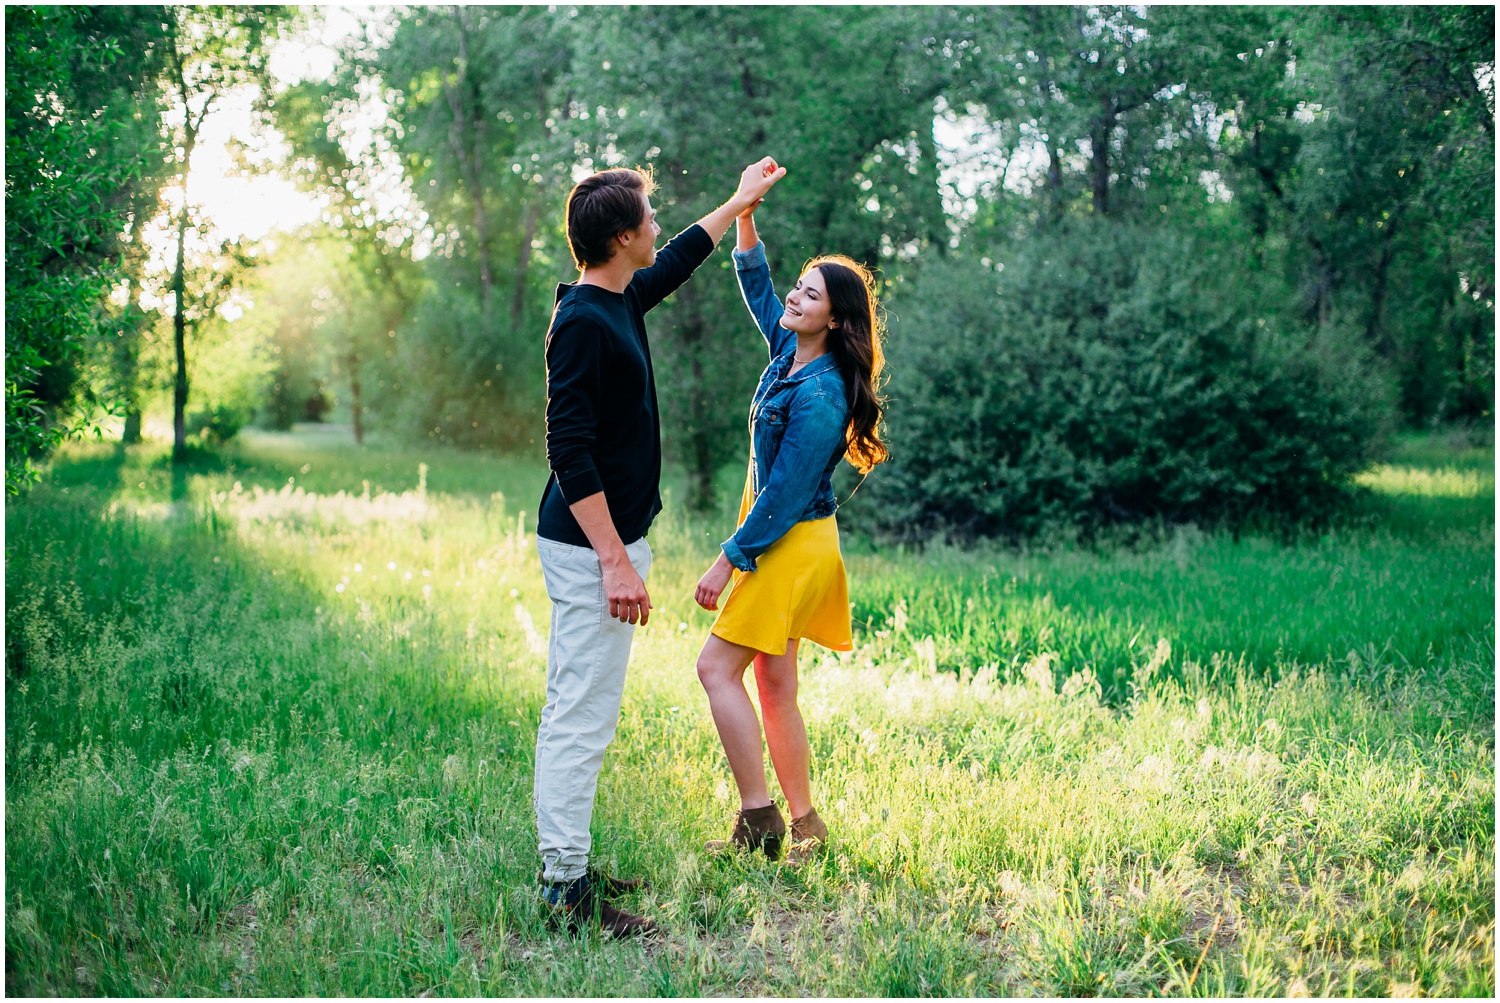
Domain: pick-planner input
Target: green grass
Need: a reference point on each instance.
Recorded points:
(1196, 766)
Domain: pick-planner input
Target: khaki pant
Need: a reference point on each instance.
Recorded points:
(587, 653)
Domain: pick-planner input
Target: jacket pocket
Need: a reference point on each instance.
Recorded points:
(773, 415)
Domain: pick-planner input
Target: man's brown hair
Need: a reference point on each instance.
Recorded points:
(601, 207)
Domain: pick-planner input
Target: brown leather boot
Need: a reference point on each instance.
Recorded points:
(808, 837)
(607, 884)
(755, 829)
(578, 905)
(612, 887)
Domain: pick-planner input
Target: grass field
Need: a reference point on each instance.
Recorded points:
(269, 725)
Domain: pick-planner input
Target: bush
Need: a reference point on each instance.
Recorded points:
(219, 423)
(1107, 374)
(456, 380)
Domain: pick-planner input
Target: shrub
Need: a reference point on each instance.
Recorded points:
(219, 423)
(456, 380)
(1105, 374)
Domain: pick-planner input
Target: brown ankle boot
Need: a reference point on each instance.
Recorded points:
(755, 829)
(809, 835)
(578, 905)
(607, 885)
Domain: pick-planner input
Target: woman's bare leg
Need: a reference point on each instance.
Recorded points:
(786, 735)
(721, 670)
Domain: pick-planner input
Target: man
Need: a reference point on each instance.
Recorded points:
(604, 451)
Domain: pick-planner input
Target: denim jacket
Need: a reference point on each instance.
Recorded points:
(796, 426)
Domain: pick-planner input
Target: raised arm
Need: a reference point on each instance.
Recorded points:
(755, 181)
(686, 251)
(754, 275)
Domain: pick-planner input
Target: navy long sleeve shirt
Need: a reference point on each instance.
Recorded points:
(603, 427)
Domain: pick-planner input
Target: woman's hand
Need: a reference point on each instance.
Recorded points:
(712, 584)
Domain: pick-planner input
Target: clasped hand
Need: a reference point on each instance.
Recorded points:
(755, 181)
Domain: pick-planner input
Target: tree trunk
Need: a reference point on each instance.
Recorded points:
(1054, 182)
(467, 139)
(357, 402)
(1044, 89)
(128, 360)
(1375, 335)
(1327, 278)
(701, 429)
(523, 266)
(700, 489)
(128, 355)
(482, 242)
(190, 129)
(1104, 129)
(179, 334)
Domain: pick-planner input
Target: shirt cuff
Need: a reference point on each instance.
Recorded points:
(577, 485)
(736, 556)
(748, 260)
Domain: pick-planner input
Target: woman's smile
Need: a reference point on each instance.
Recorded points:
(806, 308)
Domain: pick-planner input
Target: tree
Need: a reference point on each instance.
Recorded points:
(1396, 199)
(476, 97)
(80, 147)
(373, 284)
(211, 50)
(747, 82)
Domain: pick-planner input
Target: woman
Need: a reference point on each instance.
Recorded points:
(816, 404)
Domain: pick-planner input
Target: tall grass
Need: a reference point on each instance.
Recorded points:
(269, 731)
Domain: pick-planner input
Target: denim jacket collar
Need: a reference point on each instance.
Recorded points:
(784, 362)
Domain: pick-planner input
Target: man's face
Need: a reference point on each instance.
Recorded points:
(639, 245)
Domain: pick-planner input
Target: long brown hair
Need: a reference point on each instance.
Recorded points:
(856, 345)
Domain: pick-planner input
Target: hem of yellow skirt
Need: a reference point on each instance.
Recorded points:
(743, 642)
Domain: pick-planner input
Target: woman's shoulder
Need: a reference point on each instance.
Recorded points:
(827, 388)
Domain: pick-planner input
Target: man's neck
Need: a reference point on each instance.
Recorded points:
(614, 275)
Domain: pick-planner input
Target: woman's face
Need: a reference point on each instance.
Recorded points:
(807, 308)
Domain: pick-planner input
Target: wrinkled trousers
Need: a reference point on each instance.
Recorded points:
(587, 653)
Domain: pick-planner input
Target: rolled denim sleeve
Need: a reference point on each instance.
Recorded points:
(814, 435)
(754, 273)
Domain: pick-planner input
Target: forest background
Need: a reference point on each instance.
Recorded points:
(1167, 263)
(1174, 609)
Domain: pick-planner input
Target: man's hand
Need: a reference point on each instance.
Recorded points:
(624, 591)
(755, 181)
(712, 584)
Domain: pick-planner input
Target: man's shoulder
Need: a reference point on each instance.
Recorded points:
(577, 317)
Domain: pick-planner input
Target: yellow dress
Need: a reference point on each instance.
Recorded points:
(799, 590)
